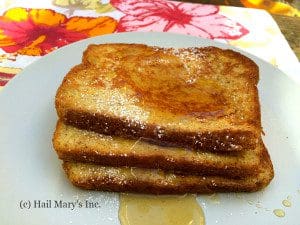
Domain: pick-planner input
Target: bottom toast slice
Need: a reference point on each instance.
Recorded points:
(154, 181)
(72, 144)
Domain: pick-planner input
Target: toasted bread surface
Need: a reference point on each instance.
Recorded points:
(124, 179)
(72, 144)
(199, 98)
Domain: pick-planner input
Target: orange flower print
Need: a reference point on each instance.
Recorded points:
(37, 32)
(275, 7)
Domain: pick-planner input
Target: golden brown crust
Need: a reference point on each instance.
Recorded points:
(149, 188)
(213, 141)
(159, 162)
(88, 176)
(234, 72)
(76, 145)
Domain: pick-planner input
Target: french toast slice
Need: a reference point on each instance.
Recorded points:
(198, 98)
(72, 144)
(150, 181)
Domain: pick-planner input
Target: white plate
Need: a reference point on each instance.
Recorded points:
(30, 169)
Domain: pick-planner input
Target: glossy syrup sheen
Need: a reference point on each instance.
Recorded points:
(160, 210)
(163, 81)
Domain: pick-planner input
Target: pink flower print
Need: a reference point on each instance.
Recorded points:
(168, 16)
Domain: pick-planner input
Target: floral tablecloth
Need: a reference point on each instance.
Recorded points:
(30, 29)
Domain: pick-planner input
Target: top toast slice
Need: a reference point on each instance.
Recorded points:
(198, 98)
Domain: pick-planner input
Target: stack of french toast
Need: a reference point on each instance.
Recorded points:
(137, 118)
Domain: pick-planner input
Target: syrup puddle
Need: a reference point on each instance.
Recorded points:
(157, 210)
(286, 203)
(279, 212)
